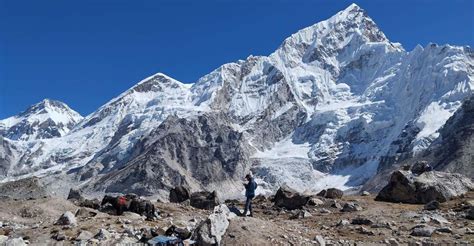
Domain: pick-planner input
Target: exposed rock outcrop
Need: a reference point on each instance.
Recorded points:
(197, 152)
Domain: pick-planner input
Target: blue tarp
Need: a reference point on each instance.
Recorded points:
(165, 241)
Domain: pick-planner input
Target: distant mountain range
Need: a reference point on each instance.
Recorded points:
(336, 104)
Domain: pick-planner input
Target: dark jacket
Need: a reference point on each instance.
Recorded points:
(250, 188)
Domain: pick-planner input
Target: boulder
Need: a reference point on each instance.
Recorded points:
(331, 193)
(321, 193)
(381, 224)
(74, 195)
(334, 193)
(59, 236)
(204, 200)
(67, 219)
(444, 230)
(103, 234)
(211, 231)
(15, 242)
(351, 207)
(438, 219)
(324, 211)
(84, 212)
(3, 239)
(433, 205)
(420, 167)
(470, 213)
(301, 214)
(313, 201)
(289, 198)
(406, 187)
(361, 221)
(84, 235)
(343, 222)
(179, 194)
(334, 204)
(422, 231)
(319, 241)
(365, 231)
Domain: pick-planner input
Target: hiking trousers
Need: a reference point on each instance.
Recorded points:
(248, 206)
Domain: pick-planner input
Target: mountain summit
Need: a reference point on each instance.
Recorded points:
(333, 106)
(46, 119)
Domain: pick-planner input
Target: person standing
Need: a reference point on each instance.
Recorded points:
(250, 188)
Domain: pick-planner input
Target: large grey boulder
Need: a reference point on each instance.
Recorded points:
(351, 207)
(331, 193)
(84, 236)
(67, 218)
(211, 231)
(204, 200)
(334, 193)
(422, 231)
(289, 198)
(406, 187)
(420, 167)
(75, 195)
(179, 194)
(15, 242)
(103, 234)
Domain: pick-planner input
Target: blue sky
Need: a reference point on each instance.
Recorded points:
(86, 52)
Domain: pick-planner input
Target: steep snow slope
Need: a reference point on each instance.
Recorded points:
(46, 119)
(331, 104)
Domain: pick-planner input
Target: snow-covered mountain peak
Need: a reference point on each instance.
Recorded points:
(157, 82)
(332, 40)
(46, 119)
(49, 105)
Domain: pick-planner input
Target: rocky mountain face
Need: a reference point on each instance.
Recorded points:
(200, 152)
(453, 151)
(335, 104)
(8, 155)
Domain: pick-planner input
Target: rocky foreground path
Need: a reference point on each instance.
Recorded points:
(346, 221)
